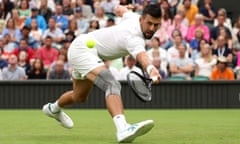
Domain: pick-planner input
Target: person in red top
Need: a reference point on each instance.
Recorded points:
(222, 72)
(47, 53)
(23, 46)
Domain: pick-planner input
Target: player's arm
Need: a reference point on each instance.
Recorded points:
(143, 59)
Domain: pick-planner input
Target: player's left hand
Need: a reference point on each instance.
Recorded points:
(155, 76)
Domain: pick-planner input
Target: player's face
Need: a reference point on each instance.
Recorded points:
(149, 25)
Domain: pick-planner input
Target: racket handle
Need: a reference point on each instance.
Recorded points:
(154, 78)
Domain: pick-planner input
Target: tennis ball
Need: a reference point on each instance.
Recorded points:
(90, 43)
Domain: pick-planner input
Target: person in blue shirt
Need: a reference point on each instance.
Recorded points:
(61, 20)
(40, 20)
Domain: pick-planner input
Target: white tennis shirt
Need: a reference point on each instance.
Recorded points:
(120, 40)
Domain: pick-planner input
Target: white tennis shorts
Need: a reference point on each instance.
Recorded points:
(83, 59)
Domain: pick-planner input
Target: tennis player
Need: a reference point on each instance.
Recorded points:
(128, 37)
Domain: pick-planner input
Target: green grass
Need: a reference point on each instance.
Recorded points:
(96, 127)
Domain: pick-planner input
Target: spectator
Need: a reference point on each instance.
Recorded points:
(23, 46)
(185, 21)
(100, 17)
(236, 38)
(54, 32)
(108, 6)
(166, 14)
(130, 66)
(215, 30)
(160, 53)
(8, 45)
(194, 43)
(67, 10)
(177, 24)
(35, 31)
(60, 19)
(3, 62)
(40, 20)
(181, 66)
(94, 25)
(45, 11)
(22, 61)
(73, 27)
(209, 13)
(47, 53)
(222, 72)
(198, 24)
(24, 10)
(190, 10)
(37, 71)
(206, 63)
(86, 9)
(229, 41)
(82, 22)
(110, 22)
(62, 57)
(222, 50)
(173, 52)
(178, 28)
(6, 7)
(238, 61)
(19, 21)
(157, 63)
(236, 45)
(59, 72)
(11, 30)
(66, 45)
(236, 28)
(13, 71)
(227, 21)
(25, 34)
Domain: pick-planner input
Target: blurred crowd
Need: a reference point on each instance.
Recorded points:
(196, 41)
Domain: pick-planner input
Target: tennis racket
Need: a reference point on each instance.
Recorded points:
(140, 85)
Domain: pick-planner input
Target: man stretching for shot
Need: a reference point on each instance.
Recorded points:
(128, 37)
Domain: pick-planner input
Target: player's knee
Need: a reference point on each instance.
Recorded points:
(106, 82)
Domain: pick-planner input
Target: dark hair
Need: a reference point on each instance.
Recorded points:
(152, 10)
(48, 37)
(176, 30)
(199, 42)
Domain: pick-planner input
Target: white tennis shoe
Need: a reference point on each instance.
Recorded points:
(60, 116)
(132, 131)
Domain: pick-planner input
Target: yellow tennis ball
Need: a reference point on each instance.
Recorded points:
(90, 43)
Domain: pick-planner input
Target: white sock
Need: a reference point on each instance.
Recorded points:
(120, 122)
(55, 107)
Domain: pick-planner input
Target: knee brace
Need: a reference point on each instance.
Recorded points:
(106, 82)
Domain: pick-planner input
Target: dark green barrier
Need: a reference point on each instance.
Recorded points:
(168, 94)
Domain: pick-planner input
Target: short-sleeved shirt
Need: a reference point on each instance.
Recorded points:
(226, 75)
(48, 56)
(179, 62)
(190, 13)
(54, 75)
(16, 74)
(120, 40)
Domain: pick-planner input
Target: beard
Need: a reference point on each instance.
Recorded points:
(148, 34)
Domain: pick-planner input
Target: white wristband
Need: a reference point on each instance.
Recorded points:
(149, 68)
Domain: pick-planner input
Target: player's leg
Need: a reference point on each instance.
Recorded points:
(81, 89)
(80, 92)
(103, 78)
